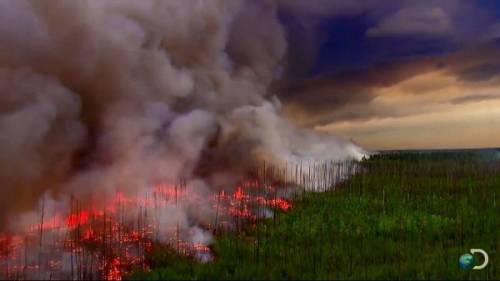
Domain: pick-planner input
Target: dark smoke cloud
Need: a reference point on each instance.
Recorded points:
(100, 95)
(40, 129)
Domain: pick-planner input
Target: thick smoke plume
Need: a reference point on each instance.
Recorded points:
(101, 96)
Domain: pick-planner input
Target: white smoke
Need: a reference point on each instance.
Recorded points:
(100, 96)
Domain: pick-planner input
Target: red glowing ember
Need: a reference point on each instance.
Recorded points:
(107, 242)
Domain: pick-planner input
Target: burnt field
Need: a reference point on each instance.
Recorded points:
(405, 215)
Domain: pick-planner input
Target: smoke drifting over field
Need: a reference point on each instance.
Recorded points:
(100, 96)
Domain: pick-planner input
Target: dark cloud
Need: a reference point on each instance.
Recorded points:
(424, 21)
(305, 26)
(481, 72)
(349, 95)
(331, 92)
(353, 35)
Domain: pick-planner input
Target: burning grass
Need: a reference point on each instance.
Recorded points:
(108, 241)
(101, 244)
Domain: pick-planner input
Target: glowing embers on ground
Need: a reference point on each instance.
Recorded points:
(250, 202)
(107, 242)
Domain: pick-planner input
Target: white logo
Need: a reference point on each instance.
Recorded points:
(485, 256)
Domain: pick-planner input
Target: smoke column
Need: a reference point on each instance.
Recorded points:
(100, 96)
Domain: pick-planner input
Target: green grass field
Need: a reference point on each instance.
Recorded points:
(403, 216)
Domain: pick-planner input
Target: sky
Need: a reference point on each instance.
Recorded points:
(396, 74)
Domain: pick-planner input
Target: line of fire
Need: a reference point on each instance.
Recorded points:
(94, 242)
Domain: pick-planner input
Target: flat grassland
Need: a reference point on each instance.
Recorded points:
(404, 215)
